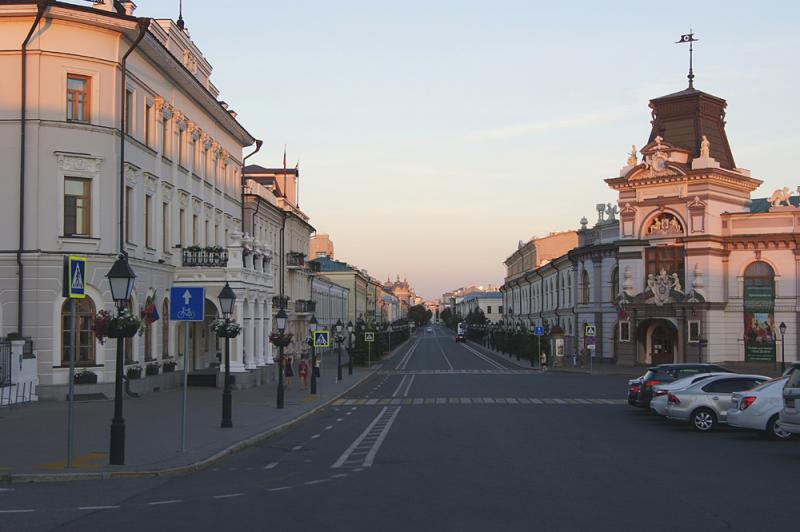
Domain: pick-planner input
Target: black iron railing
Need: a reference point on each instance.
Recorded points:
(295, 259)
(280, 302)
(305, 305)
(205, 258)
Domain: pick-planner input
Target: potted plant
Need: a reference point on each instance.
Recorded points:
(226, 328)
(152, 369)
(134, 372)
(123, 325)
(169, 366)
(280, 340)
(85, 376)
(193, 249)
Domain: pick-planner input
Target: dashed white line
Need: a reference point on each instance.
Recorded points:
(6, 489)
(329, 427)
(271, 465)
(227, 496)
(282, 488)
(339, 419)
(110, 507)
(297, 447)
(20, 511)
(339, 475)
(320, 481)
(158, 503)
(315, 436)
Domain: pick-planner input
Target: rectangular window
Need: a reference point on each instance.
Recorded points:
(624, 331)
(165, 228)
(164, 138)
(182, 148)
(148, 124)
(78, 98)
(128, 111)
(500, 309)
(148, 212)
(207, 241)
(129, 215)
(195, 233)
(216, 234)
(182, 228)
(694, 331)
(77, 206)
(489, 309)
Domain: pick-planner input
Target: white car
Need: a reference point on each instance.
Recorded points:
(759, 409)
(661, 391)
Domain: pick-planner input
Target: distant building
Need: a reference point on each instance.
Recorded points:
(321, 246)
(490, 303)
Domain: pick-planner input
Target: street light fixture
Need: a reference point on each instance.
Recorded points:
(281, 319)
(349, 347)
(339, 350)
(121, 279)
(782, 328)
(312, 328)
(227, 298)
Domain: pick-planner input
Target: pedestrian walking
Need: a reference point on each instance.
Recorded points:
(288, 371)
(543, 361)
(302, 370)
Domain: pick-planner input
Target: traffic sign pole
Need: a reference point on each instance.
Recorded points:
(71, 407)
(186, 304)
(184, 398)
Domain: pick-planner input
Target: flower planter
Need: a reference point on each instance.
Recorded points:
(85, 378)
(169, 368)
(151, 370)
(133, 373)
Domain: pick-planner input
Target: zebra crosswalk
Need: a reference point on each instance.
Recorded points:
(416, 401)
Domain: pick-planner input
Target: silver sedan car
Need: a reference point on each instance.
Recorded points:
(661, 391)
(706, 403)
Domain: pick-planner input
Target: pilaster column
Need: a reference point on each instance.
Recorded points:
(259, 334)
(237, 347)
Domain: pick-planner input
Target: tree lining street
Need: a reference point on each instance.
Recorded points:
(452, 465)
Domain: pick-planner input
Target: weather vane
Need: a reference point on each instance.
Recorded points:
(689, 37)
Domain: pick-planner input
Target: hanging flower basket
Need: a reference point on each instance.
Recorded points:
(226, 328)
(280, 340)
(123, 325)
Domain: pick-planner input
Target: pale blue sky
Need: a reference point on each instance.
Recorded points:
(432, 136)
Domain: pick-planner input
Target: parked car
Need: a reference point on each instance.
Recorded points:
(790, 414)
(759, 409)
(460, 338)
(665, 373)
(658, 403)
(706, 403)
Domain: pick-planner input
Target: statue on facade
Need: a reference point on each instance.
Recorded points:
(632, 159)
(611, 211)
(781, 197)
(705, 148)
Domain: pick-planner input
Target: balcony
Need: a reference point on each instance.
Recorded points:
(280, 302)
(212, 257)
(295, 260)
(304, 306)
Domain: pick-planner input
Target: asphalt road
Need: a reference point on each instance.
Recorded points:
(446, 437)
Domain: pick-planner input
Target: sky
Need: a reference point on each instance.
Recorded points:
(433, 136)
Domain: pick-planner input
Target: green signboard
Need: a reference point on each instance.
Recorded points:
(759, 322)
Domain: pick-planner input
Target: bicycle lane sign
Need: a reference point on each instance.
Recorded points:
(187, 303)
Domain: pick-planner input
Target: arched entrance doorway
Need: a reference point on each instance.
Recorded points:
(658, 342)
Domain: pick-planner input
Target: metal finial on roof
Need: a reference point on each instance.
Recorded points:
(181, 24)
(689, 37)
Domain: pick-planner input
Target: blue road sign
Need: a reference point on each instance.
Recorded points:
(538, 330)
(187, 303)
(322, 339)
(75, 277)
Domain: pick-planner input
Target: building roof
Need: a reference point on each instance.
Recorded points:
(258, 169)
(483, 295)
(683, 117)
(763, 204)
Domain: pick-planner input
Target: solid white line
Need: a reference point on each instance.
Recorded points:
(271, 465)
(97, 507)
(400, 386)
(26, 511)
(483, 357)
(157, 503)
(228, 496)
(346, 454)
(374, 451)
(410, 382)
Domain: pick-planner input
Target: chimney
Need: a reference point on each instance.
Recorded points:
(129, 6)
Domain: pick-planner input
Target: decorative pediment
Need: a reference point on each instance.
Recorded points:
(131, 174)
(183, 198)
(150, 183)
(663, 224)
(167, 191)
(70, 162)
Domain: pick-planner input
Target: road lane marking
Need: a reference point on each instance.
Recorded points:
(271, 465)
(19, 511)
(366, 445)
(329, 427)
(444, 355)
(159, 503)
(400, 386)
(109, 507)
(320, 481)
(374, 451)
(410, 382)
(297, 447)
(227, 496)
(483, 357)
(339, 475)
(404, 361)
(282, 488)
(315, 436)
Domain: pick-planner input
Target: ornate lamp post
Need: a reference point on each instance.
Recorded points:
(281, 319)
(121, 279)
(349, 347)
(227, 298)
(339, 350)
(782, 327)
(312, 328)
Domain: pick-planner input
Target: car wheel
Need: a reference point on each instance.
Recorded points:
(774, 431)
(703, 419)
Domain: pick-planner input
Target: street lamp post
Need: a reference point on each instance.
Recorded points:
(312, 328)
(121, 279)
(339, 350)
(782, 328)
(281, 318)
(349, 347)
(226, 300)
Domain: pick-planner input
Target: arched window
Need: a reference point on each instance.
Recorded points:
(584, 286)
(84, 335)
(614, 283)
(165, 329)
(759, 312)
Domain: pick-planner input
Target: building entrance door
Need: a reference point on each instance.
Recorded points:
(662, 344)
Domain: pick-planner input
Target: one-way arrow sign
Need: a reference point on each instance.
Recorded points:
(187, 303)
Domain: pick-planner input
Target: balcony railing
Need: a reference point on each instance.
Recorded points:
(295, 259)
(280, 302)
(205, 257)
(304, 305)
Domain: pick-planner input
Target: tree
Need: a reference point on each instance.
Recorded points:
(419, 315)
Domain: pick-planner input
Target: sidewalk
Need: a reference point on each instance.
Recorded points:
(34, 442)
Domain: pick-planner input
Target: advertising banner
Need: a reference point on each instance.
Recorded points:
(759, 323)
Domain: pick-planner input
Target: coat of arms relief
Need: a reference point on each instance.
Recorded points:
(662, 285)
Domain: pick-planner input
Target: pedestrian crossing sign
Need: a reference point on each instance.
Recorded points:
(590, 330)
(369, 337)
(322, 339)
(74, 278)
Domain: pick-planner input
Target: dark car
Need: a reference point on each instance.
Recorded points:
(633, 389)
(664, 373)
